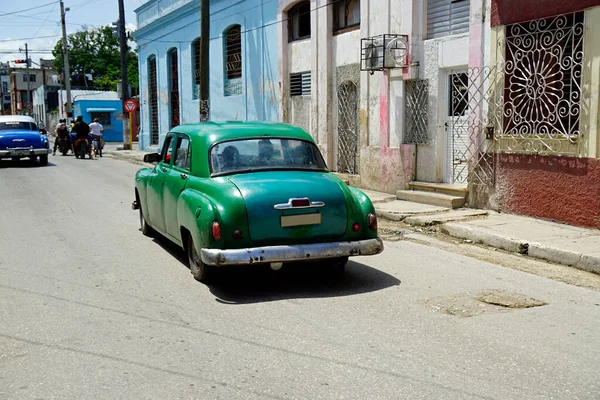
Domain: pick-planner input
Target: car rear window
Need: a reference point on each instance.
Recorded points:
(20, 125)
(265, 154)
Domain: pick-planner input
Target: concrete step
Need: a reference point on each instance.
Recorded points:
(432, 198)
(443, 188)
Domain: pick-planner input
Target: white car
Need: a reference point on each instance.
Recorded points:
(20, 137)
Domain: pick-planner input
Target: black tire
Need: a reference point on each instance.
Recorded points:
(144, 227)
(200, 271)
(64, 152)
(44, 159)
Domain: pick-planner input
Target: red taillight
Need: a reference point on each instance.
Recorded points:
(216, 231)
(238, 234)
(356, 227)
(300, 203)
(372, 222)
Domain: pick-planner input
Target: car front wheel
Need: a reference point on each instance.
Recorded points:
(200, 271)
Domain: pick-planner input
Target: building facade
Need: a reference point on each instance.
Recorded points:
(23, 86)
(243, 64)
(4, 88)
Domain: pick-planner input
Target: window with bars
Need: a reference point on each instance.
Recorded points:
(447, 17)
(31, 78)
(174, 87)
(103, 117)
(153, 100)
(233, 61)
(300, 83)
(196, 69)
(299, 21)
(542, 83)
(346, 14)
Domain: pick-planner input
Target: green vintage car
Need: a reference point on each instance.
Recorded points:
(238, 193)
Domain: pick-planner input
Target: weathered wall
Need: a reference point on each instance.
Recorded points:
(565, 189)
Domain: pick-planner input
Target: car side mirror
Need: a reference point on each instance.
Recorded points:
(152, 157)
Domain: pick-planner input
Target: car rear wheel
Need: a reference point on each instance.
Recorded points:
(200, 271)
(145, 228)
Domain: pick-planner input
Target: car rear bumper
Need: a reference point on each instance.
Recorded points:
(24, 152)
(301, 252)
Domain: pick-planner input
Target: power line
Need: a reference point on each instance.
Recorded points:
(29, 38)
(29, 9)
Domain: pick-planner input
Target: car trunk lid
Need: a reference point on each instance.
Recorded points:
(318, 209)
(20, 138)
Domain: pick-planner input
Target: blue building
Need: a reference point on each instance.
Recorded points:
(243, 63)
(106, 106)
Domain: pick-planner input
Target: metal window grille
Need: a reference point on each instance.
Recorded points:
(346, 14)
(299, 21)
(542, 85)
(233, 61)
(103, 117)
(348, 128)
(174, 88)
(416, 113)
(196, 69)
(300, 83)
(447, 17)
(153, 100)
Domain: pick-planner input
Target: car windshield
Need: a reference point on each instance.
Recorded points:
(20, 125)
(265, 154)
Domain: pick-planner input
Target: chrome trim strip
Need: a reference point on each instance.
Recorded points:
(288, 205)
(299, 252)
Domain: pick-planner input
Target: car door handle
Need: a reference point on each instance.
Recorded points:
(164, 169)
(183, 176)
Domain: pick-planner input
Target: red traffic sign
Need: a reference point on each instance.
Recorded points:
(130, 105)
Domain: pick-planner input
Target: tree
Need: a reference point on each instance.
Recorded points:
(96, 49)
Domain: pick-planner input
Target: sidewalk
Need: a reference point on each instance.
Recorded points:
(551, 241)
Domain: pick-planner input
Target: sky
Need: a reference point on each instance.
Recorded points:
(37, 23)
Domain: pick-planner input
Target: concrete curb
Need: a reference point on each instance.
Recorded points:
(125, 157)
(560, 256)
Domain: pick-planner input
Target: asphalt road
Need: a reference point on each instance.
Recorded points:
(92, 309)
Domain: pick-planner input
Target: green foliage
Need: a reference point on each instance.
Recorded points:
(97, 49)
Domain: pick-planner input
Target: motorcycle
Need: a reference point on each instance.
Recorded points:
(82, 148)
(97, 145)
(64, 144)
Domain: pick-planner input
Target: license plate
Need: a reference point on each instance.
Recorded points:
(19, 152)
(299, 220)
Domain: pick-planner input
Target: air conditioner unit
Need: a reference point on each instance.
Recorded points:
(384, 51)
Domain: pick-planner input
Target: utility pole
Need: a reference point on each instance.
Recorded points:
(66, 60)
(124, 82)
(29, 102)
(204, 64)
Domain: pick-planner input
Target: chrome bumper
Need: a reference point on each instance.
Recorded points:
(301, 252)
(24, 152)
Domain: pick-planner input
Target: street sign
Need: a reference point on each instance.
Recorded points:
(130, 105)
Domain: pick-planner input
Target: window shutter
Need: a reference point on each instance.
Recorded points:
(447, 17)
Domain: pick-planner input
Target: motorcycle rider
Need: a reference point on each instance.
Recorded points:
(61, 131)
(96, 130)
(82, 130)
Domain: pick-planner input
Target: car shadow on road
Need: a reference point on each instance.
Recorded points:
(248, 284)
(24, 164)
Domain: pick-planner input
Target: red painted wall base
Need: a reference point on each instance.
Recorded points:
(564, 189)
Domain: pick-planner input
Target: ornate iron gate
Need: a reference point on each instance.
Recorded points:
(528, 103)
(348, 128)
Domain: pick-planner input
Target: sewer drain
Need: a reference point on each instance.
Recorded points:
(493, 300)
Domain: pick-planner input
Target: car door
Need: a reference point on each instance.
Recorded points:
(156, 186)
(175, 182)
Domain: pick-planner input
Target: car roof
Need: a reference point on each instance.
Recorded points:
(214, 132)
(16, 118)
